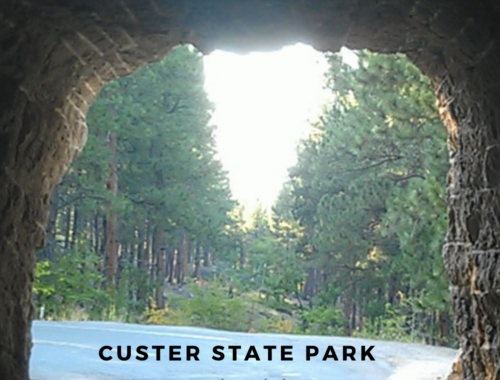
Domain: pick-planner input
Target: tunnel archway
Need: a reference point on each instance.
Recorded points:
(56, 56)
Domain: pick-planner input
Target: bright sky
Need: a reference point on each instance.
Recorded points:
(264, 105)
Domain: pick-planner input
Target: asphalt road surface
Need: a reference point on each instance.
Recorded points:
(70, 351)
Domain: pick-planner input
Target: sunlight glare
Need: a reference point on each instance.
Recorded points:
(264, 105)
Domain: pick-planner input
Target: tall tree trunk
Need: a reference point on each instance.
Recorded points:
(97, 236)
(111, 223)
(67, 228)
(159, 249)
(207, 259)
(171, 253)
(48, 252)
(393, 289)
(75, 227)
(185, 248)
(142, 263)
(348, 308)
(354, 308)
(197, 261)
(444, 328)
(361, 317)
(243, 253)
(133, 262)
(180, 257)
(189, 252)
(311, 284)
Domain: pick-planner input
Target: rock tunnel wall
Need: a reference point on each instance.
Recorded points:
(55, 56)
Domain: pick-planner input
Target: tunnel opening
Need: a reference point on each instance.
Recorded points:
(121, 245)
(56, 57)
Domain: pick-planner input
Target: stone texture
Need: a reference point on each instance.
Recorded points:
(55, 55)
(457, 372)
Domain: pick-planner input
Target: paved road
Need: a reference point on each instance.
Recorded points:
(70, 351)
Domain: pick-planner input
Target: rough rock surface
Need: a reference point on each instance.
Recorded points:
(457, 371)
(55, 55)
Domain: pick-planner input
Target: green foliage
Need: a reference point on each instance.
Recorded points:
(369, 194)
(42, 286)
(357, 230)
(391, 326)
(71, 282)
(167, 167)
(322, 320)
(170, 186)
(209, 306)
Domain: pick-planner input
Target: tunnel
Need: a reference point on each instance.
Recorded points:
(57, 54)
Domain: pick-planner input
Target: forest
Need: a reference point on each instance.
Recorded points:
(143, 228)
